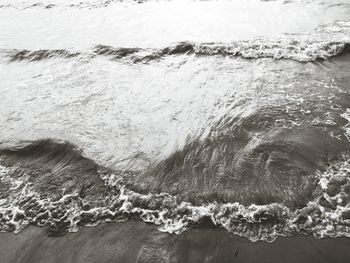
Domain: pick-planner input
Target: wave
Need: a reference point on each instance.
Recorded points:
(302, 51)
(72, 4)
(38, 55)
(294, 50)
(20, 5)
(69, 4)
(50, 183)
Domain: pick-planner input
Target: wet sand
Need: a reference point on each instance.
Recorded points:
(139, 242)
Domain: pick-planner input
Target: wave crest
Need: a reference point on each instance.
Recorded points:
(38, 55)
(303, 51)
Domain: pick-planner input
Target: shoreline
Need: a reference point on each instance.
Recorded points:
(135, 241)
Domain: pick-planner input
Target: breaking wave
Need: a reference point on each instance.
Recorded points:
(70, 4)
(302, 51)
(38, 55)
(50, 183)
(284, 49)
(93, 4)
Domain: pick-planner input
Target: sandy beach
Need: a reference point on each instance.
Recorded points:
(139, 242)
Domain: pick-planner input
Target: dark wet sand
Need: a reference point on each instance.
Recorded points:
(138, 242)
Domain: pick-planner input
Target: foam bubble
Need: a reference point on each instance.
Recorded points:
(328, 215)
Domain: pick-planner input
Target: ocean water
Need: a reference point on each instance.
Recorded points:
(231, 114)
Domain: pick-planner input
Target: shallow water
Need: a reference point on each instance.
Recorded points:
(115, 110)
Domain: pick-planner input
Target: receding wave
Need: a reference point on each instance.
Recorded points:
(50, 183)
(284, 49)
